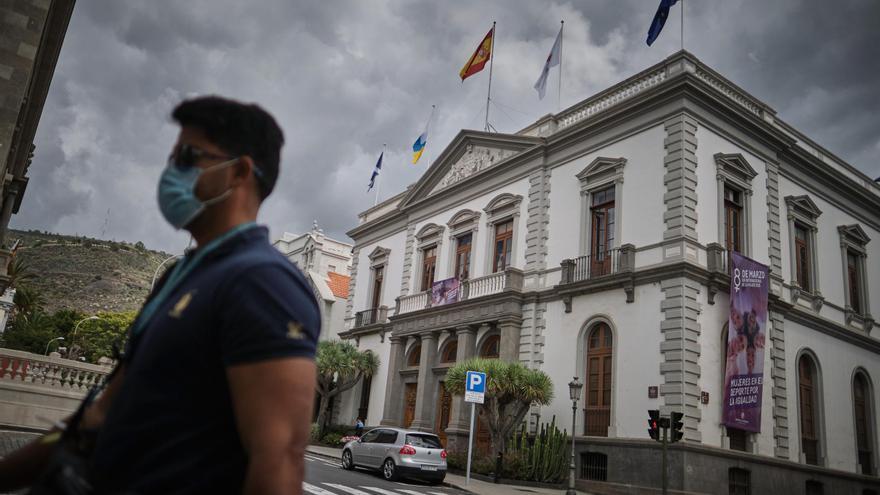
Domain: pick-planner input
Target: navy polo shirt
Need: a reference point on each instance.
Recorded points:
(171, 428)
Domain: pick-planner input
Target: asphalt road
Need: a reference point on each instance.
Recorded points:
(324, 476)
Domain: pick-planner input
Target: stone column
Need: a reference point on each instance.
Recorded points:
(391, 415)
(509, 328)
(425, 397)
(459, 416)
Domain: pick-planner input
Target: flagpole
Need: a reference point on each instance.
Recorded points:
(491, 63)
(379, 177)
(428, 130)
(559, 92)
(682, 25)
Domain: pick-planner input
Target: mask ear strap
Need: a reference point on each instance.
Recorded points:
(217, 199)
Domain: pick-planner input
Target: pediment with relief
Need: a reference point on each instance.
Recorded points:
(474, 159)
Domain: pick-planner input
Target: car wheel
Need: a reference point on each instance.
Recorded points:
(347, 462)
(389, 470)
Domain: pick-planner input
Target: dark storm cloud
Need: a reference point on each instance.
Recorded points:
(343, 77)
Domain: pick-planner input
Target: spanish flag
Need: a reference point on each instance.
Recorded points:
(480, 57)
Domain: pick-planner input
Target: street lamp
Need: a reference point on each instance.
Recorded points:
(75, 328)
(156, 273)
(574, 392)
(46, 352)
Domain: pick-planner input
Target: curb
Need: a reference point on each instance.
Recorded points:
(445, 483)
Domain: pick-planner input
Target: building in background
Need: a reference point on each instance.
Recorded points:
(31, 34)
(595, 243)
(327, 264)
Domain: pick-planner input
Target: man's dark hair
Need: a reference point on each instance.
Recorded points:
(240, 129)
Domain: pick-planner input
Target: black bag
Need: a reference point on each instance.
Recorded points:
(67, 471)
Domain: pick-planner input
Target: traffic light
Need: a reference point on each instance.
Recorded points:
(654, 424)
(677, 425)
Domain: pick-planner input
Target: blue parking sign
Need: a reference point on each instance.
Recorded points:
(475, 387)
(476, 382)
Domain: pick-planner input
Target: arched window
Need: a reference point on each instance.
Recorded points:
(864, 420)
(449, 352)
(599, 350)
(808, 388)
(490, 348)
(415, 355)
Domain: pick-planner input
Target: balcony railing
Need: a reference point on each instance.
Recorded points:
(371, 316)
(511, 278)
(49, 372)
(591, 266)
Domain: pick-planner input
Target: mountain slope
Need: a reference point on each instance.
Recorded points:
(86, 274)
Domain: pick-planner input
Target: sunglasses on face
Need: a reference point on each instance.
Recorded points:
(187, 155)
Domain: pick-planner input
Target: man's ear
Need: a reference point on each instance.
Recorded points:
(242, 169)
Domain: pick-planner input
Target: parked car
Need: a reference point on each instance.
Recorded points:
(398, 453)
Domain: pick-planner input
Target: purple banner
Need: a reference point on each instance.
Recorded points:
(746, 337)
(444, 292)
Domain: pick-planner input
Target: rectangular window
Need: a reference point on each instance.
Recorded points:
(733, 219)
(739, 481)
(855, 283)
(463, 256)
(378, 276)
(802, 255)
(602, 231)
(814, 487)
(503, 246)
(429, 265)
(594, 466)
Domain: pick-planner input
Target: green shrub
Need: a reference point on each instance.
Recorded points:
(314, 432)
(332, 439)
(545, 459)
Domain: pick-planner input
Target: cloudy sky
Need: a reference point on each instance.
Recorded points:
(345, 76)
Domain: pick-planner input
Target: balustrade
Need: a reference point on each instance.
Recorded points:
(50, 372)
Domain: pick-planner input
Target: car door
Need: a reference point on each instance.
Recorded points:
(360, 450)
(386, 442)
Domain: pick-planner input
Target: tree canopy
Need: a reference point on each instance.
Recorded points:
(511, 389)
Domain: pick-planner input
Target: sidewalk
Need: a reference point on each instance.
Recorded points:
(476, 486)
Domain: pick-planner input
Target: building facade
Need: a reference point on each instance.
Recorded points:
(31, 34)
(327, 264)
(594, 243)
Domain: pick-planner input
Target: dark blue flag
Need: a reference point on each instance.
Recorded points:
(375, 172)
(659, 20)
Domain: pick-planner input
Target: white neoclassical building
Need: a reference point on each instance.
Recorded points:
(326, 263)
(594, 243)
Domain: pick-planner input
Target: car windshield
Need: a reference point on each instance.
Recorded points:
(424, 441)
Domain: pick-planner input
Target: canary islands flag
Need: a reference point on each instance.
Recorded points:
(419, 146)
(422, 141)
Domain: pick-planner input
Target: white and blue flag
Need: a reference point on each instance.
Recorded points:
(375, 172)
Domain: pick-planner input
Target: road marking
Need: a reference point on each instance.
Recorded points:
(380, 490)
(322, 461)
(352, 491)
(316, 490)
(437, 493)
(412, 492)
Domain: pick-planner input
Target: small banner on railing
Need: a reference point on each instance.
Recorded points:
(744, 372)
(445, 292)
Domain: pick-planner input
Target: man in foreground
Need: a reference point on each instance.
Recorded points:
(215, 391)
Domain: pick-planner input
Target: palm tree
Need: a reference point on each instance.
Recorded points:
(511, 389)
(18, 271)
(27, 301)
(340, 367)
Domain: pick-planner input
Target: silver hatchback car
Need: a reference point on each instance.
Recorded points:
(398, 453)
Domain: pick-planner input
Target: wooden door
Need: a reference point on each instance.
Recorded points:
(602, 236)
(599, 352)
(444, 403)
(482, 440)
(409, 404)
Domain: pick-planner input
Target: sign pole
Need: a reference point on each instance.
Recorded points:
(467, 480)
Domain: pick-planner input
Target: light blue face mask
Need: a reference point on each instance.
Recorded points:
(177, 193)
